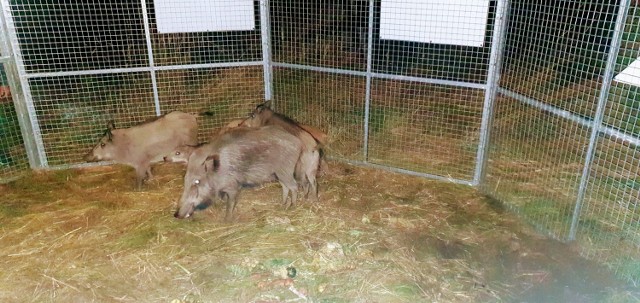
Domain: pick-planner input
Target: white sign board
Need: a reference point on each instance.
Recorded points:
(631, 74)
(191, 16)
(455, 22)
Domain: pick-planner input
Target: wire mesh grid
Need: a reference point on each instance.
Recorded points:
(226, 93)
(60, 36)
(556, 51)
(73, 111)
(330, 102)
(535, 164)
(425, 128)
(554, 67)
(320, 33)
(610, 218)
(354, 42)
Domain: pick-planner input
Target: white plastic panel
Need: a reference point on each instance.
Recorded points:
(454, 22)
(192, 16)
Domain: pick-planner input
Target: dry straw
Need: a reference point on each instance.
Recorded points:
(85, 235)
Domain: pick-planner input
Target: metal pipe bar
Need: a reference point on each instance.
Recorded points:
(147, 34)
(607, 77)
(491, 91)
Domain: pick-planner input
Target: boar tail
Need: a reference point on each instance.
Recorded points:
(207, 113)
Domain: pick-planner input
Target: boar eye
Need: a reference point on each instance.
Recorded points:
(196, 181)
(177, 153)
(102, 144)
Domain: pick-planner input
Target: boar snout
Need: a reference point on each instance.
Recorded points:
(184, 211)
(177, 215)
(90, 157)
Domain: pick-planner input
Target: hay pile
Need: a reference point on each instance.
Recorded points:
(85, 235)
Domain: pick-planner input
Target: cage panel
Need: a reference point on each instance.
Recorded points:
(330, 102)
(204, 47)
(425, 128)
(227, 93)
(73, 111)
(59, 36)
(320, 33)
(556, 51)
(610, 215)
(535, 164)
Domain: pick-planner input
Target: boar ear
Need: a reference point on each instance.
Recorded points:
(263, 106)
(215, 161)
(110, 126)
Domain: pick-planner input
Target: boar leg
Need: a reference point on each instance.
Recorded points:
(311, 161)
(288, 183)
(231, 199)
(141, 175)
(301, 177)
(148, 173)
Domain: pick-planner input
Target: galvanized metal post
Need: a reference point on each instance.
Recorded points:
(596, 126)
(21, 91)
(147, 34)
(265, 31)
(369, 76)
(491, 90)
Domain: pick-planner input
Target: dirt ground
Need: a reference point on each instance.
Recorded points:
(85, 235)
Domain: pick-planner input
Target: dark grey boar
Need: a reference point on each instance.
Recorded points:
(141, 145)
(242, 157)
(307, 168)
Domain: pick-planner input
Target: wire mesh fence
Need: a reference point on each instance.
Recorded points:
(551, 159)
(73, 111)
(401, 84)
(410, 120)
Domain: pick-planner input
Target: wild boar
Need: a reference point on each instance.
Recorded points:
(242, 157)
(141, 145)
(307, 168)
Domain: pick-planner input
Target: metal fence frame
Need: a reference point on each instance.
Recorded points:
(20, 100)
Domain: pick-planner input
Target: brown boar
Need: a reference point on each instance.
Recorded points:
(141, 145)
(242, 157)
(307, 168)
